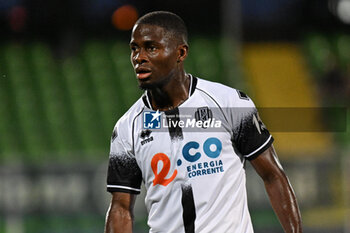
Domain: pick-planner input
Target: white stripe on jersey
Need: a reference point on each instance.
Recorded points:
(123, 187)
(259, 147)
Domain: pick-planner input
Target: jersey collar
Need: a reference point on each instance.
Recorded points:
(146, 98)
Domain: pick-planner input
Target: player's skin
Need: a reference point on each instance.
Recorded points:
(157, 58)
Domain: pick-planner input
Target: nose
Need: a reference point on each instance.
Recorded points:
(140, 57)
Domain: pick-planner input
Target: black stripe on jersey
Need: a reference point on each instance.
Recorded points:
(133, 128)
(215, 103)
(144, 99)
(194, 84)
(189, 210)
(173, 118)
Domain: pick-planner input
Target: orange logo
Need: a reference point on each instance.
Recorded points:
(159, 178)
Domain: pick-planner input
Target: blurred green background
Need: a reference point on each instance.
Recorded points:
(66, 78)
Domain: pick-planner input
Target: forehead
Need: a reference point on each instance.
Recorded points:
(147, 32)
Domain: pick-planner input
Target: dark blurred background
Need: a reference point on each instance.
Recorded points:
(66, 78)
(287, 20)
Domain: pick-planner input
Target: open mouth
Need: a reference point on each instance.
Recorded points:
(143, 73)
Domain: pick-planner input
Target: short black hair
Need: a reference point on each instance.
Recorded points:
(167, 20)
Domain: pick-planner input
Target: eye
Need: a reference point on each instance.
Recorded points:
(152, 48)
(133, 48)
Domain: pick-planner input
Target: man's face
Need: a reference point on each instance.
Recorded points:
(154, 55)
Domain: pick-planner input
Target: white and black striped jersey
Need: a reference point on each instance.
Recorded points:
(191, 159)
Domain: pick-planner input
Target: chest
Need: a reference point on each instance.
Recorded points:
(176, 148)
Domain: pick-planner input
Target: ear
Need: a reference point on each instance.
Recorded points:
(182, 52)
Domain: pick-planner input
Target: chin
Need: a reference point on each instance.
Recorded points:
(155, 84)
(147, 86)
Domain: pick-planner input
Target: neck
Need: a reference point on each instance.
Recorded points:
(172, 94)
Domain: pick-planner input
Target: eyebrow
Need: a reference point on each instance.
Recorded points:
(147, 42)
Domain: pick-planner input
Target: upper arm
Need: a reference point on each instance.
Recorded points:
(267, 164)
(250, 136)
(124, 174)
(280, 191)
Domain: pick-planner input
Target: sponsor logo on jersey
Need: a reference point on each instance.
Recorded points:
(212, 149)
(152, 120)
(146, 136)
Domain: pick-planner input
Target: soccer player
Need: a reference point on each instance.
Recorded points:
(192, 168)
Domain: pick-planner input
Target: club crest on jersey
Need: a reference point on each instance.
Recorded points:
(203, 114)
(152, 120)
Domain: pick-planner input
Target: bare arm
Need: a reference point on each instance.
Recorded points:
(119, 216)
(279, 190)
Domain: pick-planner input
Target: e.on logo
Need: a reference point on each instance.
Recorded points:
(159, 178)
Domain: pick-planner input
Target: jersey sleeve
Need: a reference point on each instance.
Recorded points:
(124, 174)
(251, 137)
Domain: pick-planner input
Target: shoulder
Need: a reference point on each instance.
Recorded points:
(224, 95)
(125, 123)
